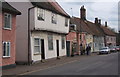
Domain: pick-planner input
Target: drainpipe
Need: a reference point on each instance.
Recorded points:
(29, 38)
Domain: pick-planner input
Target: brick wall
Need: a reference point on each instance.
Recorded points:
(10, 35)
(0, 39)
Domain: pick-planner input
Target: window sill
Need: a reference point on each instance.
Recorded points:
(6, 56)
(7, 28)
(37, 54)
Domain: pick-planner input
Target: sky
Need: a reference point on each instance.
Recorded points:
(106, 10)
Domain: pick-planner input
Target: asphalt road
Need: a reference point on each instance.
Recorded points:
(94, 65)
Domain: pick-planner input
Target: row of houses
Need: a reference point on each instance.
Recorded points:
(84, 32)
(39, 31)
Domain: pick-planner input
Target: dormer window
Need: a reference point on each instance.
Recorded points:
(66, 22)
(54, 18)
(40, 14)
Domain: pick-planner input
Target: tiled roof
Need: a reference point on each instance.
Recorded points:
(8, 8)
(107, 31)
(51, 6)
(87, 26)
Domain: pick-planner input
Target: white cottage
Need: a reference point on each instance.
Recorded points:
(41, 31)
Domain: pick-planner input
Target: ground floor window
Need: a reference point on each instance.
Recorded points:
(63, 42)
(36, 45)
(50, 41)
(6, 49)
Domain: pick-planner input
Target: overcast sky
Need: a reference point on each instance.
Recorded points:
(106, 10)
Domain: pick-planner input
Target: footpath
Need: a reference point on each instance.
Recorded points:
(22, 69)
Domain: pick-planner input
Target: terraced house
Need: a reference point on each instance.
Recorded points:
(90, 33)
(41, 32)
(8, 35)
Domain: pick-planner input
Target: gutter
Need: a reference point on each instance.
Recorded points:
(29, 38)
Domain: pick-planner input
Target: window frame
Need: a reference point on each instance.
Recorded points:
(54, 18)
(36, 53)
(40, 14)
(10, 25)
(50, 42)
(66, 22)
(63, 42)
(4, 56)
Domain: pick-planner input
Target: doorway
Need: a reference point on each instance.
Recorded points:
(42, 49)
(57, 45)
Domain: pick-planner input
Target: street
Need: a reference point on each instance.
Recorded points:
(106, 64)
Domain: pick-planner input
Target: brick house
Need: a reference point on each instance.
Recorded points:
(110, 36)
(44, 26)
(8, 27)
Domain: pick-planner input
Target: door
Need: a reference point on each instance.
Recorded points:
(57, 45)
(42, 49)
(68, 48)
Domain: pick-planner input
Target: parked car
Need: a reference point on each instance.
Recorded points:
(117, 48)
(113, 49)
(104, 50)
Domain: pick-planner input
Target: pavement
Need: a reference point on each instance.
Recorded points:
(23, 69)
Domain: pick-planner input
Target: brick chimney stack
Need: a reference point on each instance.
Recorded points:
(83, 13)
(106, 24)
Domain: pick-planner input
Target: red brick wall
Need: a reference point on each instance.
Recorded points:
(10, 35)
(0, 39)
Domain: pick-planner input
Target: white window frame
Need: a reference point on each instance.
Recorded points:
(54, 18)
(66, 22)
(49, 42)
(6, 49)
(41, 14)
(10, 25)
(35, 53)
(63, 39)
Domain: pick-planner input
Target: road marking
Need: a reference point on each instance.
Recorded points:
(48, 67)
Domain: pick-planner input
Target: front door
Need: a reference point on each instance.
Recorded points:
(57, 45)
(42, 49)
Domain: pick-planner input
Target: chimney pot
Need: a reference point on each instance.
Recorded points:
(105, 24)
(96, 20)
(99, 21)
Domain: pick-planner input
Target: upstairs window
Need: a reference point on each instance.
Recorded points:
(54, 18)
(36, 46)
(6, 49)
(66, 22)
(41, 14)
(7, 21)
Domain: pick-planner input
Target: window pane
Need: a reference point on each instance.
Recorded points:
(37, 49)
(8, 49)
(40, 14)
(36, 41)
(50, 42)
(63, 42)
(4, 49)
(7, 20)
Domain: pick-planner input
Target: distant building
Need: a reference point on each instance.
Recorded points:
(8, 36)
(110, 36)
(48, 25)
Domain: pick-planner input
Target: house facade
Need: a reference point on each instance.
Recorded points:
(110, 36)
(43, 31)
(8, 38)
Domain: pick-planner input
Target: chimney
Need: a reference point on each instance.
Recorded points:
(83, 13)
(106, 24)
(96, 20)
(99, 21)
